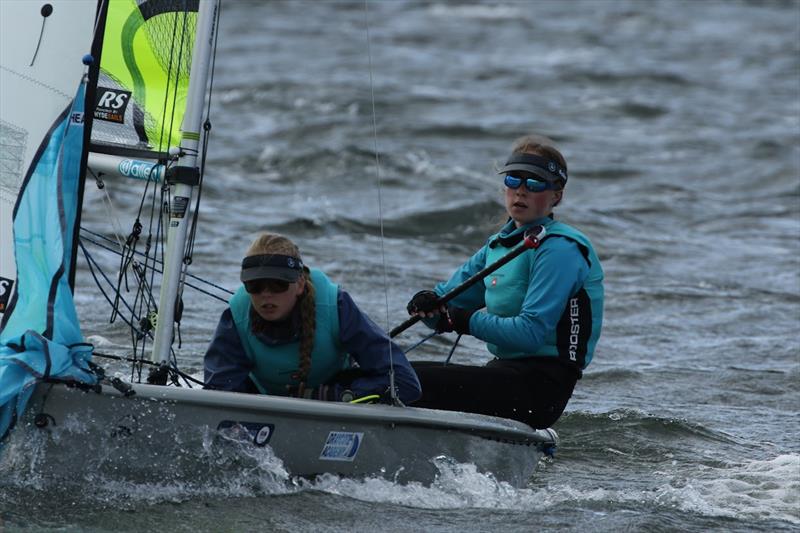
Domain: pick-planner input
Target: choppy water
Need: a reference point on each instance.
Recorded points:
(681, 125)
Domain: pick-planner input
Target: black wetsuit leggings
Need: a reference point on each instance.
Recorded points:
(534, 390)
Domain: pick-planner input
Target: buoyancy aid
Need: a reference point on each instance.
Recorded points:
(274, 365)
(578, 329)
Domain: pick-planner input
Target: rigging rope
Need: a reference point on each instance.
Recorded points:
(142, 312)
(177, 74)
(158, 271)
(172, 369)
(110, 209)
(189, 245)
(392, 390)
(204, 149)
(166, 187)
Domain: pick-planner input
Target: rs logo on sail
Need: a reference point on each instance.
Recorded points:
(111, 104)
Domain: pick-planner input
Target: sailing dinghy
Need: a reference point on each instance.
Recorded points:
(144, 86)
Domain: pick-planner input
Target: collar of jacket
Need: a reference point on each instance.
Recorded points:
(509, 235)
(277, 333)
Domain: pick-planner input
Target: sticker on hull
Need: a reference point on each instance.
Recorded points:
(256, 432)
(341, 446)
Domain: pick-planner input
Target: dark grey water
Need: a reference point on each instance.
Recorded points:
(681, 125)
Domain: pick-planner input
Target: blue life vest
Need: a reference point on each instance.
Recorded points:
(578, 329)
(275, 365)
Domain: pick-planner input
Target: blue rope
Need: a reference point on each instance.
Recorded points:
(425, 339)
(453, 349)
(422, 341)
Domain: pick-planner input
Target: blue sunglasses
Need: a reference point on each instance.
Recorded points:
(533, 185)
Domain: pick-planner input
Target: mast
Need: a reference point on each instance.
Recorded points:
(184, 177)
(91, 91)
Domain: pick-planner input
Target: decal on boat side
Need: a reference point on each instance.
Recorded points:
(341, 446)
(256, 432)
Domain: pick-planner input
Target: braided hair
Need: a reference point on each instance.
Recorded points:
(271, 243)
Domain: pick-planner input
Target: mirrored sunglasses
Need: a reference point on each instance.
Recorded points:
(533, 185)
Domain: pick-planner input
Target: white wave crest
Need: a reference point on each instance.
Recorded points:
(768, 489)
(758, 490)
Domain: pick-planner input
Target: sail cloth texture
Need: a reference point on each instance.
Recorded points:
(41, 336)
(40, 67)
(144, 76)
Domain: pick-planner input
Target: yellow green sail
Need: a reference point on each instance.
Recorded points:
(144, 78)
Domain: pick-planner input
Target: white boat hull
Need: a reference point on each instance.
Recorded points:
(168, 433)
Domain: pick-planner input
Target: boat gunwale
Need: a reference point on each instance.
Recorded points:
(495, 428)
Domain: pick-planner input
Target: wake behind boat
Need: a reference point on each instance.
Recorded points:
(147, 73)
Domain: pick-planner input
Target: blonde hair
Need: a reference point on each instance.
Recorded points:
(271, 243)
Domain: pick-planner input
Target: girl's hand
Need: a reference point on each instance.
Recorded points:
(425, 304)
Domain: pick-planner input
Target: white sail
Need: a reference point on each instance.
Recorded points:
(40, 68)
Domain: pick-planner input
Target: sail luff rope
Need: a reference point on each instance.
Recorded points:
(110, 207)
(392, 390)
(97, 19)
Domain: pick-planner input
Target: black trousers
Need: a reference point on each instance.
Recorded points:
(533, 390)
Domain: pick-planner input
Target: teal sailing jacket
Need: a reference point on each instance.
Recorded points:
(273, 366)
(546, 302)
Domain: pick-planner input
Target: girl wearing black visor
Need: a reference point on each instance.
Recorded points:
(543, 309)
(290, 331)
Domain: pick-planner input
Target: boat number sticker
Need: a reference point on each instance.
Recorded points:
(341, 446)
(5, 292)
(111, 104)
(256, 432)
(179, 205)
